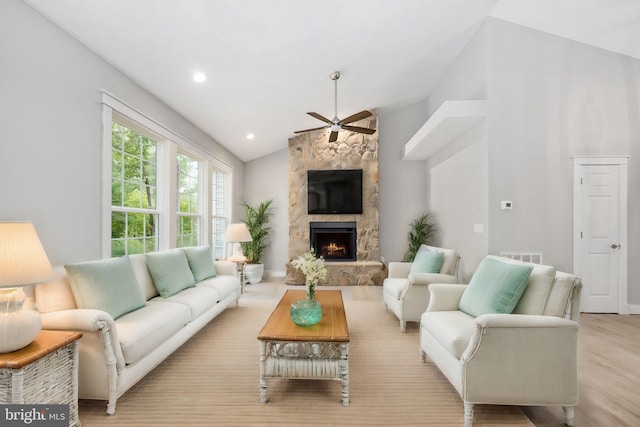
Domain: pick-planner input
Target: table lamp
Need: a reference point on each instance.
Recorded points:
(235, 234)
(23, 261)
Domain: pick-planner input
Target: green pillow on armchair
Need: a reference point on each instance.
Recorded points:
(496, 287)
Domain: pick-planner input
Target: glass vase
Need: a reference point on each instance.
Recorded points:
(311, 292)
(307, 311)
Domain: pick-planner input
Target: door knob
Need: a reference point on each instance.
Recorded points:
(614, 246)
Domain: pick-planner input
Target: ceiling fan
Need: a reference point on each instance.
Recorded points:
(336, 125)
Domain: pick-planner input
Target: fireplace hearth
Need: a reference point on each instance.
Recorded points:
(334, 241)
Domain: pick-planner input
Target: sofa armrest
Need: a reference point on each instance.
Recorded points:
(523, 321)
(89, 321)
(445, 296)
(522, 359)
(428, 278)
(225, 268)
(399, 269)
(84, 320)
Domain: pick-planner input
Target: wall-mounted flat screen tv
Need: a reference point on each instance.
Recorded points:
(334, 191)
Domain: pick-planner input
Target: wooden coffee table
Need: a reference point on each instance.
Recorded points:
(307, 352)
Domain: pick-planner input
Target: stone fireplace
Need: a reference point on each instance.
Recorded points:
(334, 241)
(313, 151)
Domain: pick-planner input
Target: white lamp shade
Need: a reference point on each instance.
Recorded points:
(237, 233)
(23, 260)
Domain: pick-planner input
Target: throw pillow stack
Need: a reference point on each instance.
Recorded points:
(110, 285)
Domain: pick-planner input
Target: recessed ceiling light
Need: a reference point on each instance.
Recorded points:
(250, 136)
(199, 77)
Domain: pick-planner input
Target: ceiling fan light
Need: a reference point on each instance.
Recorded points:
(336, 125)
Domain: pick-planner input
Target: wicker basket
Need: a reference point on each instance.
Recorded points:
(51, 379)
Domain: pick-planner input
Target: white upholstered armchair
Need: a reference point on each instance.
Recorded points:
(525, 358)
(406, 293)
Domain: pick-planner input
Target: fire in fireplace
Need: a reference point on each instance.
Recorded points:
(334, 241)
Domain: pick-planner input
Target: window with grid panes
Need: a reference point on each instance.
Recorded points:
(189, 216)
(134, 211)
(219, 212)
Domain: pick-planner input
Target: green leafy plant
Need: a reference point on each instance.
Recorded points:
(257, 219)
(422, 230)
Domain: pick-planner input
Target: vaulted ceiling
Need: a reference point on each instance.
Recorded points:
(268, 62)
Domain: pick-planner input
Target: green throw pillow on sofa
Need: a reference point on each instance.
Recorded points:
(109, 285)
(427, 261)
(496, 287)
(170, 271)
(200, 261)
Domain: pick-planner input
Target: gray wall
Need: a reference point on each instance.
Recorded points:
(550, 99)
(459, 172)
(404, 185)
(268, 178)
(50, 145)
(466, 78)
(459, 199)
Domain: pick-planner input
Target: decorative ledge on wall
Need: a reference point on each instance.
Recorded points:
(450, 121)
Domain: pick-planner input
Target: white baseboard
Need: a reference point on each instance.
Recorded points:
(634, 308)
(275, 273)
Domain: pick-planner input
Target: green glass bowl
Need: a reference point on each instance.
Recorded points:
(306, 312)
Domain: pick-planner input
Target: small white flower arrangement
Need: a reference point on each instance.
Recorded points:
(313, 268)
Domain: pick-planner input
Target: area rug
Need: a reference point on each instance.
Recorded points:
(213, 380)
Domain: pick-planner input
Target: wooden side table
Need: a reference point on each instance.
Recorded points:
(45, 371)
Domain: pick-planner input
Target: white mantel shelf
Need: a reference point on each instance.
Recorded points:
(450, 121)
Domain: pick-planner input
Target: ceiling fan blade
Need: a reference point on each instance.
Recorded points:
(359, 129)
(319, 117)
(355, 117)
(333, 137)
(309, 130)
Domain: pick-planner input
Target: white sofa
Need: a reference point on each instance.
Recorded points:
(116, 353)
(406, 294)
(524, 358)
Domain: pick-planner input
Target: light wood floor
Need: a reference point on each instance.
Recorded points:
(608, 362)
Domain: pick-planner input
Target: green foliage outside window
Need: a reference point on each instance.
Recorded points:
(188, 232)
(133, 186)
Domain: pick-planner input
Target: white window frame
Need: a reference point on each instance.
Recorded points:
(169, 144)
(226, 215)
(203, 195)
(122, 121)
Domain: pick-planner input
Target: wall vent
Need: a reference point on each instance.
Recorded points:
(535, 257)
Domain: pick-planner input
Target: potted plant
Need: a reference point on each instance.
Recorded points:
(257, 218)
(422, 230)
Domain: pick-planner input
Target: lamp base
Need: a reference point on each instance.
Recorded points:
(18, 329)
(238, 255)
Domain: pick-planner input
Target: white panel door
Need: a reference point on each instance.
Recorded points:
(599, 259)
